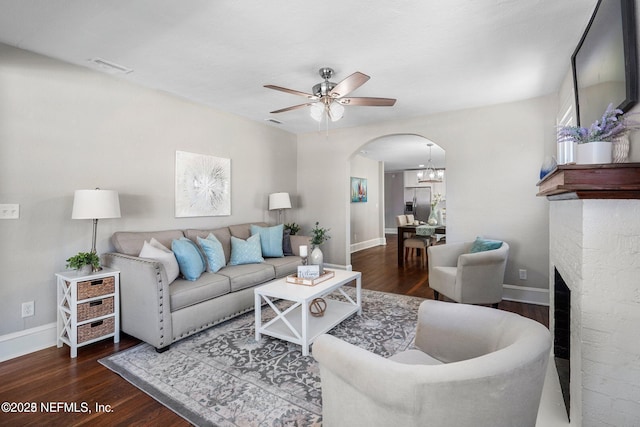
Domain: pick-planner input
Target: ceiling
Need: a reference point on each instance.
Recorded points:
(431, 55)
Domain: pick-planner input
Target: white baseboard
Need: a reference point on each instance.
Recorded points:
(380, 241)
(525, 294)
(24, 342)
(390, 231)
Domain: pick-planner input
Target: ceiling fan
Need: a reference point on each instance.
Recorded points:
(328, 98)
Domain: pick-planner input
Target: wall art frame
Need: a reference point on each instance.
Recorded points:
(358, 190)
(203, 185)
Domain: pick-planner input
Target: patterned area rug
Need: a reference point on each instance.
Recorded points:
(223, 377)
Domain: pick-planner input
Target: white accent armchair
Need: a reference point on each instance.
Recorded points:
(475, 366)
(470, 278)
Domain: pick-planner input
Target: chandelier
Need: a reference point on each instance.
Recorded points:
(430, 173)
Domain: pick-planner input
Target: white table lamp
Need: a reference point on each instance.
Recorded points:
(95, 204)
(279, 201)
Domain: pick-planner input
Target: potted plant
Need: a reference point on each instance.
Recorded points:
(319, 235)
(594, 144)
(84, 262)
(293, 228)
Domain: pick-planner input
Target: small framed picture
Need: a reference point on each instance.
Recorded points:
(308, 271)
(358, 190)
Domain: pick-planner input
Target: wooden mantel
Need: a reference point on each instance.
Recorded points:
(605, 181)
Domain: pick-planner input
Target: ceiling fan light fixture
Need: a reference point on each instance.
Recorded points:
(317, 111)
(336, 111)
(328, 97)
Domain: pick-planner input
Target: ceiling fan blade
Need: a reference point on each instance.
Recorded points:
(368, 102)
(348, 85)
(291, 91)
(294, 107)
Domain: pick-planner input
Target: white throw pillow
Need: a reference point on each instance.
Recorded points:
(158, 252)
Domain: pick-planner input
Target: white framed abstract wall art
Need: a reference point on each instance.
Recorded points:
(203, 185)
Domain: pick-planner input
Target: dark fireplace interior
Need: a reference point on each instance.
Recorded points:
(562, 334)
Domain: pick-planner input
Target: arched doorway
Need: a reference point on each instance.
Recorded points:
(391, 165)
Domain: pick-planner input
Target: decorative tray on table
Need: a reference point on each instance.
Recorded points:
(293, 278)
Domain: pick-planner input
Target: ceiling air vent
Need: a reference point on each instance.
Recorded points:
(110, 67)
(274, 121)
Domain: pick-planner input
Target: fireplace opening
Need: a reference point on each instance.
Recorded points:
(562, 334)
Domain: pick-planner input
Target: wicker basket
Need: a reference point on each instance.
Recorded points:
(93, 309)
(96, 288)
(95, 329)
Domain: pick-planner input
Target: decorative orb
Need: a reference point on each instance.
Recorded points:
(317, 307)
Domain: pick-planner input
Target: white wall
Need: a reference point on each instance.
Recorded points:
(494, 156)
(393, 199)
(64, 128)
(367, 219)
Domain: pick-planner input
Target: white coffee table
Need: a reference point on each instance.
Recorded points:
(295, 324)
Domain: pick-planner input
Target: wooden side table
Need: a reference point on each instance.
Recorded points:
(88, 308)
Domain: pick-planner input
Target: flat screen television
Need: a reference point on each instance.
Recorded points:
(605, 65)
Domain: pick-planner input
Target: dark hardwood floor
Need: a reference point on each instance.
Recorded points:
(49, 376)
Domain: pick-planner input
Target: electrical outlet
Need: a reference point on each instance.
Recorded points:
(28, 309)
(523, 274)
(10, 211)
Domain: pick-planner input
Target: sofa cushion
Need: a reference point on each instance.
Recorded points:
(297, 241)
(222, 234)
(131, 242)
(190, 259)
(270, 239)
(184, 293)
(157, 251)
(243, 231)
(247, 275)
(213, 251)
(284, 266)
(246, 251)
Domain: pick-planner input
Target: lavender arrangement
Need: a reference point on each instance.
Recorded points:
(613, 125)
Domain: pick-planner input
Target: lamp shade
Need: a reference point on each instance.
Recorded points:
(279, 201)
(95, 204)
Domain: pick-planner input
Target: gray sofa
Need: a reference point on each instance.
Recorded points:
(161, 313)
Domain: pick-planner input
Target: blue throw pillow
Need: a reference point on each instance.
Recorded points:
(246, 251)
(212, 248)
(270, 240)
(191, 261)
(481, 245)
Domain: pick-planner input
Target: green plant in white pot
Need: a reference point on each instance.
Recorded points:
(594, 144)
(84, 262)
(319, 235)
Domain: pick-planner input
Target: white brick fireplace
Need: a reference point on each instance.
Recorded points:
(595, 246)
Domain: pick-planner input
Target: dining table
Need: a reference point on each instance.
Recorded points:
(419, 230)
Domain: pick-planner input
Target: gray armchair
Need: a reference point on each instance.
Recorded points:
(470, 278)
(473, 367)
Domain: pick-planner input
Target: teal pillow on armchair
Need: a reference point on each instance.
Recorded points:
(481, 245)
